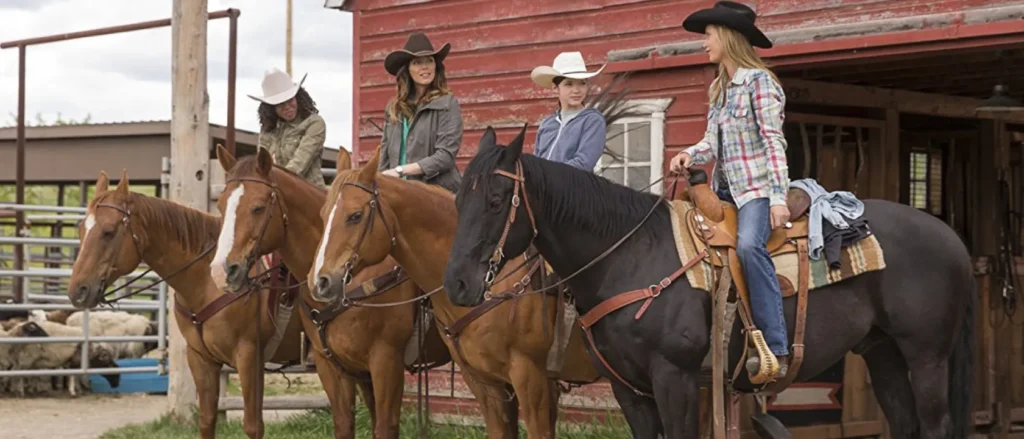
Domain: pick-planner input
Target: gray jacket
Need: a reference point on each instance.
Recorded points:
(435, 135)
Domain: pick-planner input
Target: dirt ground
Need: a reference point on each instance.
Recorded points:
(84, 417)
(89, 415)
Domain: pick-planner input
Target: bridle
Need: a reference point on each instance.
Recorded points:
(126, 222)
(519, 183)
(520, 187)
(273, 201)
(375, 207)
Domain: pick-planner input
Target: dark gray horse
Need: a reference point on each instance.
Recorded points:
(912, 321)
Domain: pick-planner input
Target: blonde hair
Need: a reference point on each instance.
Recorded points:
(738, 48)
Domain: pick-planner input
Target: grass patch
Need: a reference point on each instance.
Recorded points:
(317, 424)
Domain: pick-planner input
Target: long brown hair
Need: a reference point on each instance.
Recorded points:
(268, 114)
(401, 105)
(737, 47)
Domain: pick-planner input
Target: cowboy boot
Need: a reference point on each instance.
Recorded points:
(703, 197)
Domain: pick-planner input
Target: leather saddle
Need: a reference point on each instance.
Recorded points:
(721, 234)
(714, 224)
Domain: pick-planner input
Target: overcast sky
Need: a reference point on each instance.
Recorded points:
(127, 77)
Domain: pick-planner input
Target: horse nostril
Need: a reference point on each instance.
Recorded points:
(83, 290)
(233, 270)
(323, 285)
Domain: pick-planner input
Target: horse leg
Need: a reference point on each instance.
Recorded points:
(341, 393)
(640, 411)
(206, 375)
(367, 392)
(250, 373)
(495, 411)
(676, 393)
(533, 388)
(891, 383)
(389, 385)
(930, 381)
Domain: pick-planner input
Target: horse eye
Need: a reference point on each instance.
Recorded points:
(495, 203)
(355, 217)
(108, 233)
(258, 209)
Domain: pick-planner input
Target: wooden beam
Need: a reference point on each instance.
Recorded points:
(825, 119)
(825, 93)
(190, 152)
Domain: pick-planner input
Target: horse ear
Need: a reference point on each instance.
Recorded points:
(122, 186)
(514, 149)
(368, 173)
(265, 161)
(489, 140)
(102, 183)
(227, 161)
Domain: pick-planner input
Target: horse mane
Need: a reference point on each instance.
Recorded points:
(248, 165)
(195, 230)
(583, 200)
(447, 207)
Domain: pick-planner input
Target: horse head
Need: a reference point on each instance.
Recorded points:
(359, 231)
(254, 218)
(495, 219)
(109, 244)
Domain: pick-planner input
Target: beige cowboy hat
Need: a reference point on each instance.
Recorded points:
(567, 64)
(416, 45)
(278, 87)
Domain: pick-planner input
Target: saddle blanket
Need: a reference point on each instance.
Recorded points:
(864, 256)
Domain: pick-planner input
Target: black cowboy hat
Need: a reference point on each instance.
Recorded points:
(736, 16)
(417, 45)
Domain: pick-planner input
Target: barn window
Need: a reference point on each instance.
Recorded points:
(926, 180)
(635, 149)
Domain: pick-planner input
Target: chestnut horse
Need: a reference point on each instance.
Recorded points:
(270, 209)
(123, 229)
(374, 217)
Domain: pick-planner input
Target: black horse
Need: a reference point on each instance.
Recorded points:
(912, 321)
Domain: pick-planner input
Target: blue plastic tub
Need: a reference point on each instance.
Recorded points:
(149, 382)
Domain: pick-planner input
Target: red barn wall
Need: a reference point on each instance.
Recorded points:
(495, 45)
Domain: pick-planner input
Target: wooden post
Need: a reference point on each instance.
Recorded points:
(190, 152)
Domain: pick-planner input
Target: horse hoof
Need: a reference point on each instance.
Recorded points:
(753, 365)
(767, 427)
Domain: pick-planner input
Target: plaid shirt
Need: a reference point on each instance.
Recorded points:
(747, 139)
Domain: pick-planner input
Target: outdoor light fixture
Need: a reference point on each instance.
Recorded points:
(1000, 101)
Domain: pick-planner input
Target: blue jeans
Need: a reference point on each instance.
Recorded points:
(754, 228)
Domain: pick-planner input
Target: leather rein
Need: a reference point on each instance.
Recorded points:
(614, 303)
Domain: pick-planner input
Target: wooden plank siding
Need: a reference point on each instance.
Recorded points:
(496, 44)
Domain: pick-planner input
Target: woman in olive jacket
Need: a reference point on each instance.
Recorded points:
(423, 122)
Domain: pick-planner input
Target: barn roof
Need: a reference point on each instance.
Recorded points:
(836, 31)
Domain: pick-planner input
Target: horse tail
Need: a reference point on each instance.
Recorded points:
(961, 370)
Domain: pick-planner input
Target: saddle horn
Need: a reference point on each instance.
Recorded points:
(703, 197)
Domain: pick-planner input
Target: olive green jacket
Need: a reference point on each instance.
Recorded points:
(298, 145)
(435, 135)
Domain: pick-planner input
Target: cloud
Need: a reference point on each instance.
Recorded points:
(127, 77)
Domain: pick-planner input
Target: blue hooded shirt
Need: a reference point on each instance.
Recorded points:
(579, 142)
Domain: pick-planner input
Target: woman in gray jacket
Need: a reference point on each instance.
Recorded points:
(423, 123)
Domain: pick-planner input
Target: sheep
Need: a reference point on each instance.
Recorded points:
(56, 355)
(118, 323)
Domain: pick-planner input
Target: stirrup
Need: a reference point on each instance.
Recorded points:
(768, 367)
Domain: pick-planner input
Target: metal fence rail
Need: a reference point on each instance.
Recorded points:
(60, 302)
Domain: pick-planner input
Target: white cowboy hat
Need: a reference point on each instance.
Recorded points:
(278, 87)
(567, 64)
